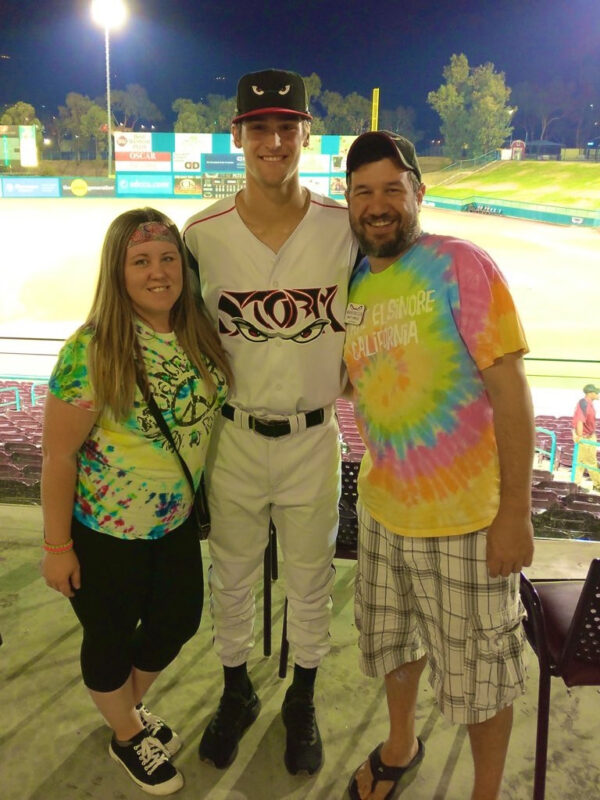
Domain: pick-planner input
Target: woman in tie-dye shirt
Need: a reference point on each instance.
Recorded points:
(120, 538)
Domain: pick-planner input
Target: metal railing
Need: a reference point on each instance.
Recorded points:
(550, 453)
(16, 401)
(577, 463)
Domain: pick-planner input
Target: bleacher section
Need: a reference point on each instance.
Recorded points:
(561, 430)
(21, 412)
(560, 508)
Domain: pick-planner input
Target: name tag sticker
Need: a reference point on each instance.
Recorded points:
(354, 314)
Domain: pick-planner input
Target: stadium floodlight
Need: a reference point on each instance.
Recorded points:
(109, 14)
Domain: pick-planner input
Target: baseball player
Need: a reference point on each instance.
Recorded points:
(274, 263)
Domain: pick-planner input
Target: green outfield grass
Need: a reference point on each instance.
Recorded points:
(568, 184)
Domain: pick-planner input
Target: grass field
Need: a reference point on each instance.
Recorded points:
(572, 184)
(49, 253)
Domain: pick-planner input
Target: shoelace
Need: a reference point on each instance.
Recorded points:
(151, 722)
(228, 711)
(151, 754)
(302, 719)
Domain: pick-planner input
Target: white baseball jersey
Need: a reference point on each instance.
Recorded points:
(280, 315)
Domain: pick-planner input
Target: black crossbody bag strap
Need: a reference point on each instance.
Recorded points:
(199, 495)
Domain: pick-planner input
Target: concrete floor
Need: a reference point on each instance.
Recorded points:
(53, 744)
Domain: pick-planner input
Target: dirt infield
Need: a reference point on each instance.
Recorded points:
(49, 254)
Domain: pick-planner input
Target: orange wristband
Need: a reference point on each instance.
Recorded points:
(57, 549)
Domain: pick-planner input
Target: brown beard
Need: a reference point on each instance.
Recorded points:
(407, 234)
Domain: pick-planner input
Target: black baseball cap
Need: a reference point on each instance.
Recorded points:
(271, 91)
(589, 387)
(376, 145)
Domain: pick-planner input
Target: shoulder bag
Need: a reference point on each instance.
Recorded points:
(200, 509)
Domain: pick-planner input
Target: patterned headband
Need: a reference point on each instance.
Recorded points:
(151, 232)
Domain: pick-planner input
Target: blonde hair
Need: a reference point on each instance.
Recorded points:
(114, 349)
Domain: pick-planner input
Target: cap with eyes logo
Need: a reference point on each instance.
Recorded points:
(271, 91)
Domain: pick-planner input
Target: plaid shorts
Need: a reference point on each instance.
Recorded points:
(433, 596)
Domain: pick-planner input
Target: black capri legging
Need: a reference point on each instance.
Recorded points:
(140, 601)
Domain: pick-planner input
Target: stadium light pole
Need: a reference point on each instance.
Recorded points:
(109, 14)
(511, 111)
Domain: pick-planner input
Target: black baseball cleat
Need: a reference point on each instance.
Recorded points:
(304, 748)
(235, 714)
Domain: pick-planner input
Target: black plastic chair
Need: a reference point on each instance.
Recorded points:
(563, 628)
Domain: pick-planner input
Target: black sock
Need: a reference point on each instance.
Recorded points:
(237, 680)
(304, 679)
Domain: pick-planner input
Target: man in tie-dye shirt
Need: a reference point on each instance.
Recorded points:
(434, 352)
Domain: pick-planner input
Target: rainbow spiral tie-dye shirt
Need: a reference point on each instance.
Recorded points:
(418, 335)
(130, 483)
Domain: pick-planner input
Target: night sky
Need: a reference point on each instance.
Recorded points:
(189, 48)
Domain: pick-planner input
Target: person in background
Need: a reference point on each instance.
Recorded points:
(584, 427)
(434, 352)
(274, 263)
(120, 540)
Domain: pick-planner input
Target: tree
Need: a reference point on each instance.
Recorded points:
(527, 117)
(220, 112)
(473, 107)
(541, 107)
(22, 114)
(491, 114)
(318, 125)
(345, 115)
(191, 117)
(400, 120)
(214, 116)
(333, 106)
(450, 102)
(134, 105)
(313, 88)
(552, 102)
(358, 113)
(564, 110)
(313, 93)
(55, 127)
(93, 126)
(71, 115)
(584, 112)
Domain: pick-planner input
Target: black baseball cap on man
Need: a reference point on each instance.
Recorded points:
(376, 145)
(589, 387)
(271, 91)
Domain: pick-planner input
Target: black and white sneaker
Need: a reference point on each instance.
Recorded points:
(304, 749)
(147, 763)
(158, 728)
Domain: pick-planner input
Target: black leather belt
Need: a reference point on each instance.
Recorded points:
(275, 427)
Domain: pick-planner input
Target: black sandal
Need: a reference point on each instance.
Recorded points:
(381, 772)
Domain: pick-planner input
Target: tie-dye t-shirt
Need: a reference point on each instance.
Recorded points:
(130, 483)
(417, 335)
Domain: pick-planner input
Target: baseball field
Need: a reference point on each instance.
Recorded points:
(49, 250)
(562, 183)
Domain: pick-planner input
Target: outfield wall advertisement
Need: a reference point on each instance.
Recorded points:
(200, 165)
(211, 166)
(18, 145)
